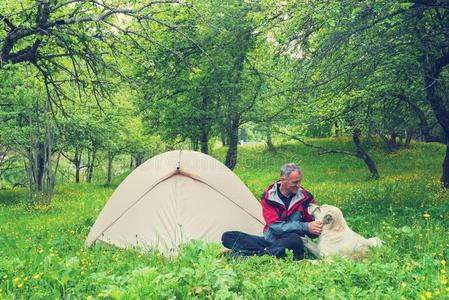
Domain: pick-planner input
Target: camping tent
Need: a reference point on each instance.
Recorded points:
(175, 197)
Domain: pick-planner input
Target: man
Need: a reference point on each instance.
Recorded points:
(284, 206)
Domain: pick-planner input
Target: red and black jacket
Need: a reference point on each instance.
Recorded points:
(280, 219)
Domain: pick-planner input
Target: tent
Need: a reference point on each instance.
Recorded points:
(175, 197)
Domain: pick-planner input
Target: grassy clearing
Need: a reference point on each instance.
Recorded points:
(42, 254)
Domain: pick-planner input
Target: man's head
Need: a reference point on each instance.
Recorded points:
(291, 176)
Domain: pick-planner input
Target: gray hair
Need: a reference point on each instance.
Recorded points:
(289, 168)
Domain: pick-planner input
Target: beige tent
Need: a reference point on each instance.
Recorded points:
(175, 197)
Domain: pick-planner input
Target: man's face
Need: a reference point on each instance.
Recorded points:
(291, 183)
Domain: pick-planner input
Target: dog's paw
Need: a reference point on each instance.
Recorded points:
(375, 242)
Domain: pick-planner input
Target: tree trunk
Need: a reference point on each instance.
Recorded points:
(195, 144)
(439, 108)
(204, 130)
(270, 145)
(110, 160)
(90, 169)
(131, 162)
(424, 126)
(386, 141)
(138, 158)
(56, 171)
(445, 176)
(363, 154)
(408, 137)
(77, 163)
(337, 129)
(40, 165)
(231, 155)
(393, 140)
(204, 139)
(223, 139)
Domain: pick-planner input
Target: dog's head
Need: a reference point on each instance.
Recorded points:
(330, 216)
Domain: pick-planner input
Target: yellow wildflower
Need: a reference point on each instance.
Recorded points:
(426, 215)
(20, 285)
(16, 280)
(443, 262)
(428, 294)
(37, 276)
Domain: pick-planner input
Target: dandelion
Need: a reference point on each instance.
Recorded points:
(426, 216)
(20, 285)
(37, 276)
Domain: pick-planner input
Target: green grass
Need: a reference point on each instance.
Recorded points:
(42, 254)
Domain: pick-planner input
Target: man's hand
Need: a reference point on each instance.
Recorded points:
(315, 227)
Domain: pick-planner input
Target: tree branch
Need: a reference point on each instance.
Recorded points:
(324, 150)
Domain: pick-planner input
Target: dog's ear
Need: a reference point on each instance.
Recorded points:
(327, 219)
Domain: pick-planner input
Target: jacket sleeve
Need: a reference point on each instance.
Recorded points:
(278, 227)
(307, 217)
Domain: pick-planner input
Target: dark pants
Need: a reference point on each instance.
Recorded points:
(246, 244)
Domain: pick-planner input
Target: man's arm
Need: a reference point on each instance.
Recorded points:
(279, 227)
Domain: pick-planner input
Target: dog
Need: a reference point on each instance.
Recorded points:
(336, 238)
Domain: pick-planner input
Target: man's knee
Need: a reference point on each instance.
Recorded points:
(293, 240)
(228, 236)
(231, 239)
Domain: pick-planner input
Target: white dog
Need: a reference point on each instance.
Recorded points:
(336, 237)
